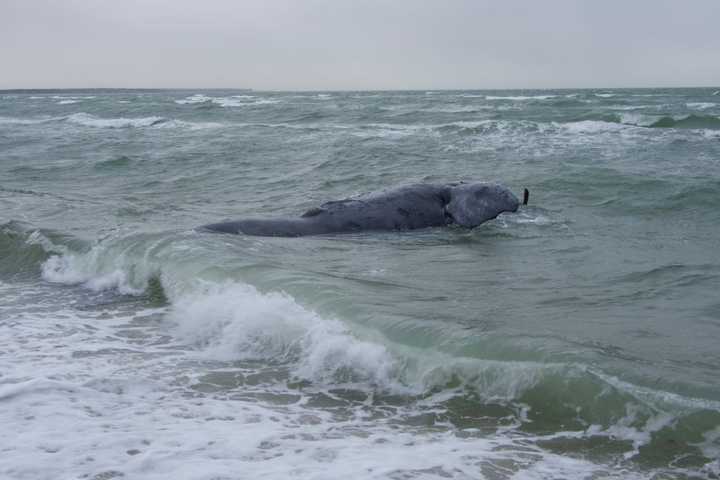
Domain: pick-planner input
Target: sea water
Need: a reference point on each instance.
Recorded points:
(578, 338)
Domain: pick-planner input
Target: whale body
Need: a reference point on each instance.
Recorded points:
(405, 208)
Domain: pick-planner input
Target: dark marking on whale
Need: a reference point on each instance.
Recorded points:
(405, 208)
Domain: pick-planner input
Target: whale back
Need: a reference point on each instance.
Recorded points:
(475, 203)
(404, 208)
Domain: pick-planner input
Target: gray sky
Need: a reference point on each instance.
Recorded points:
(359, 44)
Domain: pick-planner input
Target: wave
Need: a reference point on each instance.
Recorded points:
(231, 101)
(88, 120)
(619, 193)
(593, 126)
(225, 319)
(23, 249)
(701, 194)
(28, 121)
(232, 321)
(64, 97)
(689, 122)
(605, 121)
(520, 97)
(456, 109)
(193, 99)
(701, 105)
(121, 161)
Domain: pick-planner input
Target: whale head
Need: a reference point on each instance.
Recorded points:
(474, 203)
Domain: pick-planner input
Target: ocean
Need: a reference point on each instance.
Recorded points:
(577, 338)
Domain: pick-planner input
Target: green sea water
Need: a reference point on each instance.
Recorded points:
(578, 338)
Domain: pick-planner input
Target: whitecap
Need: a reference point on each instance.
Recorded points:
(234, 321)
(73, 269)
(592, 126)
(88, 120)
(231, 101)
(457, 109)
(701, 105)
(520, 97)
(192, 99)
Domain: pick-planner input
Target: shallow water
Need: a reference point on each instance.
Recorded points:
(577, 338)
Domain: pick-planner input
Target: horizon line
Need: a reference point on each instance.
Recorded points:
(161, 89)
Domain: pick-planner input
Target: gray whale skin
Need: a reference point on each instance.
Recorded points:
(404, 208)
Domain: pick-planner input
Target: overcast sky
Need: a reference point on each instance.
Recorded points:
(359, 44)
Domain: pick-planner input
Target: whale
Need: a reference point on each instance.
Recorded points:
(407, 207)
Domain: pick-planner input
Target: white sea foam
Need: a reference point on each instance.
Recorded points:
(234, 321)
(36, 237)
(592, 126)
(605, 95)
(386, 130)
(192, 99)
(701, 105)
(521, 97)
(74, 431)
(231, 101)
(131, 414)
(67, 102)
(88, 120)
(235, 102)
(68, 97)
(78, 269)
(457, 108)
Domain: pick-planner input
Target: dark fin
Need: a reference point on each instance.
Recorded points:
(313, 212)
(526, 196)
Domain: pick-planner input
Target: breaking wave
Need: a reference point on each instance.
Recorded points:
(229, 319)
(691, 121)
(520, 97)
(229, 101)
(93, 121)
(226, 319)
(88, 120)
